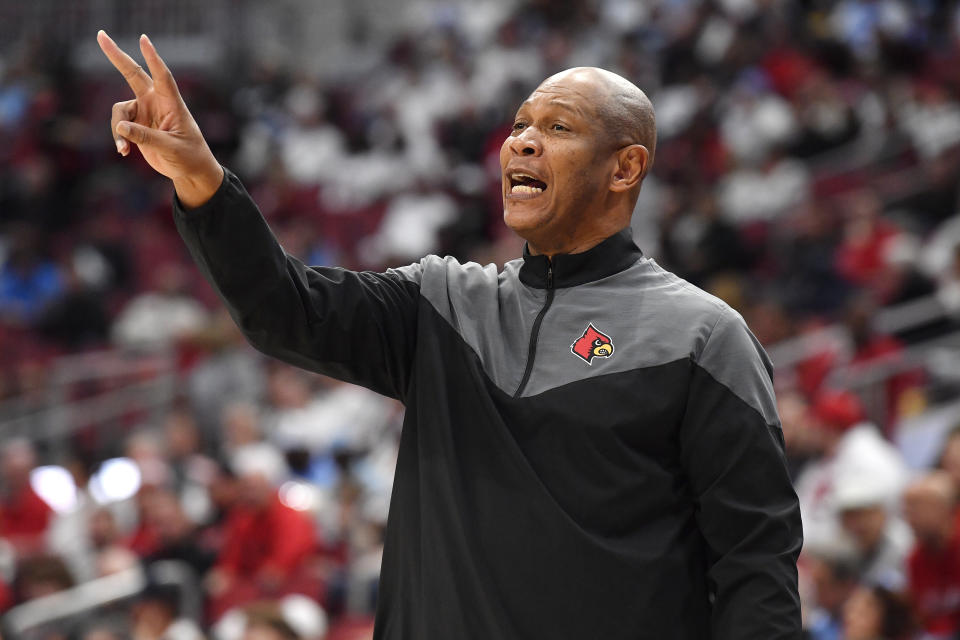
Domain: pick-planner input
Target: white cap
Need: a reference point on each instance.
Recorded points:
(856, 491)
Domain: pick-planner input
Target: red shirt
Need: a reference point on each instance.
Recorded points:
(276, 537)
(24, 517)
(862, 260)
(934, 583)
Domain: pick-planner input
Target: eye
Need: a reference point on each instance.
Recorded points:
(519, 125)
(559, 127)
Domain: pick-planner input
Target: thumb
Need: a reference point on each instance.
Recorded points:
(140, 135)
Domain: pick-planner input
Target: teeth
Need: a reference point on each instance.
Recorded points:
(522, 188)
(520, 176)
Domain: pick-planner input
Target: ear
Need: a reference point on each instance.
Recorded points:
(632, 164)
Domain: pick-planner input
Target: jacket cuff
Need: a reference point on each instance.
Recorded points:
(213, 203)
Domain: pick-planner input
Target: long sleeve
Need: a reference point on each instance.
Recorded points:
(355, 326)
(747, 510)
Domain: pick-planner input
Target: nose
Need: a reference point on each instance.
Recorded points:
(527, 143)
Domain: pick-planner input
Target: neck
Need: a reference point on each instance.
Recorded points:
(611, 216)
(551, 247)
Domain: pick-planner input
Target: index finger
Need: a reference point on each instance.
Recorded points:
(136, 77)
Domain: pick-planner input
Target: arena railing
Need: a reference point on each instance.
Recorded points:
(936, 355)
(55, 610)
(101, 391)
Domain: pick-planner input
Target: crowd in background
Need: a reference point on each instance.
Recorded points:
(808, 173)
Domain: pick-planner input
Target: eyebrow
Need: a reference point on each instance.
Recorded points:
(566, 106)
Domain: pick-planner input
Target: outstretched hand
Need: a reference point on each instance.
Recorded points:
(159, 123)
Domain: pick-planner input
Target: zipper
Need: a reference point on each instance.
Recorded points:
(535, 333)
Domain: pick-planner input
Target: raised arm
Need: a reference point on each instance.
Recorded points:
(358, 327)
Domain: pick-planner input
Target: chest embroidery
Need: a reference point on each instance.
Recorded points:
(592, 344)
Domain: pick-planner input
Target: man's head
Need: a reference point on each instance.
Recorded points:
(259, 469)
(928, 505)
(17, 460)
(573, 165)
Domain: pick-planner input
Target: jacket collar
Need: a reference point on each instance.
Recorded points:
(613, 255)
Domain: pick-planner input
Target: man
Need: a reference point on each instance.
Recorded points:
(933, 568)
(267, 545)
(590, 447)
(852, 449)
(880, 538)
(24, 517)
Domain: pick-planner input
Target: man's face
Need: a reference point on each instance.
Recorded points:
(556, 163)
(926, 512)
(865, 525)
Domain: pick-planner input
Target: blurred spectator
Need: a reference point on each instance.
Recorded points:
(934, 565)
(41, 576)
(764, 192)
(339, 416)
(834, 581)
(240, 426)
(24, 516)
(191, 470)
(867, 238)
(882, 541)
(875, 613)
(854, 455)
(937, 198)
(157, 319)
(29, 283)
(70, 532)
(871, 347)
(807, 273)
(931, 119)
(103, 529)
(228, 371)
(155, 616)
(176, 536)
(800, 438)
(77, 318)
(266, 543)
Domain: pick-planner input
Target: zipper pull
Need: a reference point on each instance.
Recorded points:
(550, 276)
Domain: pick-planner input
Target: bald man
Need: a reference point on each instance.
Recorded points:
(590, 448)
(933, 567)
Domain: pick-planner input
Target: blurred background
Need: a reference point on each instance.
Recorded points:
(160, 479)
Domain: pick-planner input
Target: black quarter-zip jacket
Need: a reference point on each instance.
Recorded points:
(590, 450)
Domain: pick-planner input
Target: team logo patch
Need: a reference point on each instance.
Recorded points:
(592, 344)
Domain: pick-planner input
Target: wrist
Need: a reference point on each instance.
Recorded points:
(197, 188)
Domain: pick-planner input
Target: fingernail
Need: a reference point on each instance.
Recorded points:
(123, 128)
(119, 145)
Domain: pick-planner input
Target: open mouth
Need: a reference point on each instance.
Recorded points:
(522, 183)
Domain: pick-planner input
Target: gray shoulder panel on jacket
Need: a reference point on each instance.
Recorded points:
(492, 312)
(735, 358)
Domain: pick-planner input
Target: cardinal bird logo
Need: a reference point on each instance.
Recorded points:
(592, 344)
